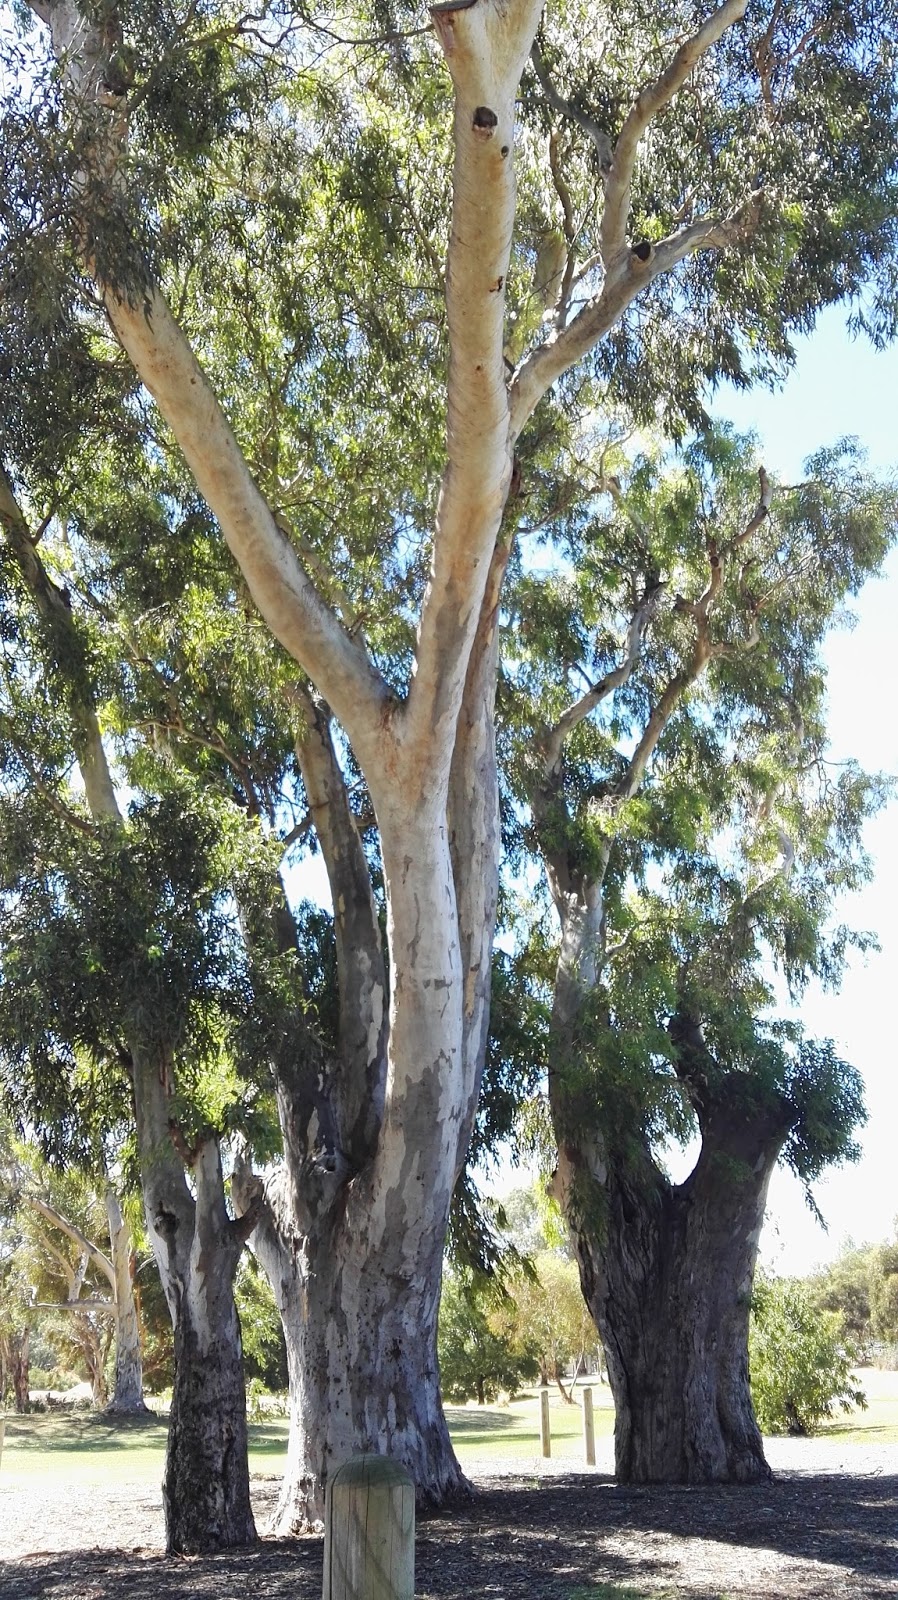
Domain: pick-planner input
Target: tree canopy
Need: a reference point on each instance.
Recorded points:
(312, 319)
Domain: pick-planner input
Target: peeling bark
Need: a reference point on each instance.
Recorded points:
(359, 1320)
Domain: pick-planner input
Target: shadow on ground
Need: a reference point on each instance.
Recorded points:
(800, 1538)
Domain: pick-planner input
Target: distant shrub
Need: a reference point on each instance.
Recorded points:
(799, 1360)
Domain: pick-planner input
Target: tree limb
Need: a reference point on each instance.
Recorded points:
(53, 609)
(650, 100)
(51, 1215)
(566, 108)
(163, 359)
(642, 617)
(360, 960)
(630, 275)
(485, 45)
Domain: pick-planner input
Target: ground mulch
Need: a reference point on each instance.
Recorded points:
(825, 1528)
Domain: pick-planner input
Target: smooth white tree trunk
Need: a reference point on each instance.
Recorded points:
(127, 1395)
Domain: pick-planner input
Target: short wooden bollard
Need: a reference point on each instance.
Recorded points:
(369, 1531)
(544, 1428)
(589, 1429)
(2, 1432)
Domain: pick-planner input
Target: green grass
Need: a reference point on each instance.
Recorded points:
(512, 1431)
(93, 1448)
(613, 1591)
(879, 1423)
(97, 1449)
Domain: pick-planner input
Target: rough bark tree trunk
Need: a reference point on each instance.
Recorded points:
(205, 1487)
(667, 1272)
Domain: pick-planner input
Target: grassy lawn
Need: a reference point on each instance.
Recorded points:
(512, 1431)
(94, 1448)
(879, 1423)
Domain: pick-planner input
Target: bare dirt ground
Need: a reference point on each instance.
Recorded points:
(826, 1527)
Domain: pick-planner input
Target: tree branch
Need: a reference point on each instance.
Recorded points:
(630, 275)
(51, 1215)
(53, 609)
(161, 355)
(566, 108)
(640, 621)
(360, 960)
(652, 99)
(486, 45)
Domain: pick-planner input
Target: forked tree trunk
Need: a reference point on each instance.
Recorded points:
(354, 1232)
(353, 1236)
(197, 1246)
(667, 1274)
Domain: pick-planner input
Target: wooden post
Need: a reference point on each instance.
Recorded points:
(589, 1428)
(544, 1428)
(2, 1432)
(369, 1531)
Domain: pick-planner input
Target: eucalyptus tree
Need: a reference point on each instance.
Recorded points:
(118, 968)
(256, 207)
(670, 737)
(64, 1219)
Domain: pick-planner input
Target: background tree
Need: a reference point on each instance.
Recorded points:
(547, 1316)
(482, 1353)
(72, 1274)
(17, 1315)
(861, 1288)
(846, 1288)
(688, 739)
(65, 1215)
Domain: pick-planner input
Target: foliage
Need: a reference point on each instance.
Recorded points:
(691, 789)
(547, 1315)
(801, 1365)
(534, 1223)
(861, 1286)
(262, 1336)
(480, 1356)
